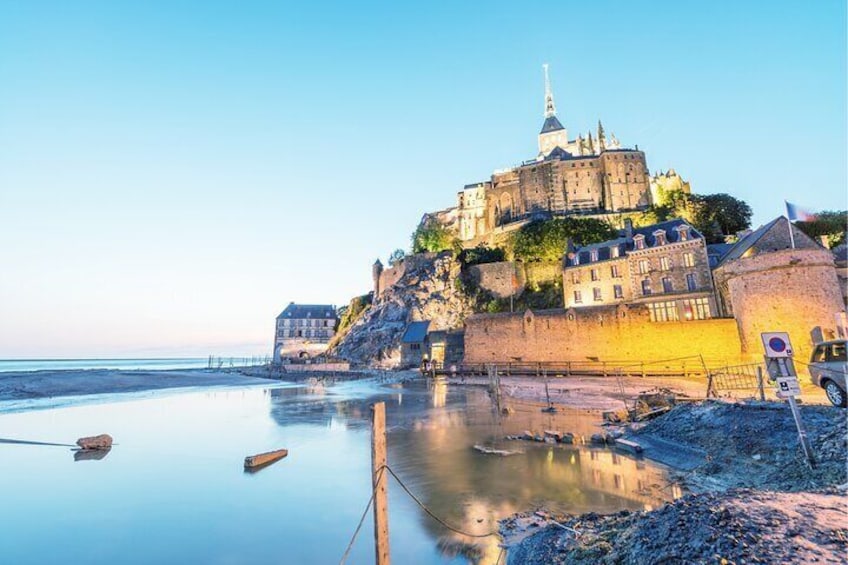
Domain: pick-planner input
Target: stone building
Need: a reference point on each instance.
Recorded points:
(304, 330)
(413, 344)
(770, 282)
(663, 266)
(590, 175)
(664, 183)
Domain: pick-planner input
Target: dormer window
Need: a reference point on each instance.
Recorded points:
(614, 251)
(639, 241)
(576, 258)
(593, 255)
(683, 232)
(659, 237)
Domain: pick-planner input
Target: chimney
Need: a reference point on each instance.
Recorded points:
(628, 227)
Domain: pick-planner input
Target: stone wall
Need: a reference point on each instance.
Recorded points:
(508, 278)
(791, 290)
(390, 277)
(605, 333)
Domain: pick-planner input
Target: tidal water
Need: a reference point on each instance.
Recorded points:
(173, 490)
(7, 365)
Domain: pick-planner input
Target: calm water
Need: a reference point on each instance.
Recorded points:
(7, 365)
(173, 490)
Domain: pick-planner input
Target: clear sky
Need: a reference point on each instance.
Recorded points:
(173, 173)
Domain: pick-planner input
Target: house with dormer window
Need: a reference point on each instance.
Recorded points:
(664, 266)
(304, 330)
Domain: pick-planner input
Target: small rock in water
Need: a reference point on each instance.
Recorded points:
(103, 441)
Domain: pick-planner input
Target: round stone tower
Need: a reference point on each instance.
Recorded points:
(791, 290)
(376, 273)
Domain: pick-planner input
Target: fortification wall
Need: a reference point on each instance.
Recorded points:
(510, 278)
(390, 277)
(605, 333)
(501, 279)
(792, 290)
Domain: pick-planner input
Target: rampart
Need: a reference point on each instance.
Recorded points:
(604, 333)
(510, 277)
(791, 290)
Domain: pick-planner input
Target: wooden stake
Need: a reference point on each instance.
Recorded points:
(379, 482)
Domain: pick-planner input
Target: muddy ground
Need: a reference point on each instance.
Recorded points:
(753, 497)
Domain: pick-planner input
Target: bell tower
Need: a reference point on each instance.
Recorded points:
(552, 134)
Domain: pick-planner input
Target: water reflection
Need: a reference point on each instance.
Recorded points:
(431, 433)
(173, 487)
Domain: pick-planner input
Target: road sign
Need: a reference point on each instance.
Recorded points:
(777, 344)
(788, 386)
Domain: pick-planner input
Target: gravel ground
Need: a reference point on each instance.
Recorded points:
(737, 526)
(755, 445)
(754, 499)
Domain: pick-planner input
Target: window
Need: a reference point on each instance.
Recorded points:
(596, 293)
(595, 274)
(291, 333)
(593, 255)
(577, 258)
(659, 237)
(836, 353)
(415, 346)
(697, 308)
(616, 289)
(665, 264)
(646, 286)
(575, 277)
(614, 271)
(819, 354)
(684, 232)
(639, 241)
(578, 298)
(614, 251)
(644, 266)
(667, 285)
(663, 311)
(688, 259)
(691, 283)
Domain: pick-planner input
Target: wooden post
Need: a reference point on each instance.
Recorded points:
(760, 383)
(379, 482)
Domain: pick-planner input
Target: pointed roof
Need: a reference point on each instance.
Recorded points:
(551, 124)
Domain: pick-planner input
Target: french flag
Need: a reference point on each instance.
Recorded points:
(797, 214)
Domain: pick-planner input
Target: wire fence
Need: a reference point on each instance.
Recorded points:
(218, 362)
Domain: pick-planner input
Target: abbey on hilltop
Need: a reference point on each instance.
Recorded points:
(591, 175)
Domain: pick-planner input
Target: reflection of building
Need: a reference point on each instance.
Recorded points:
(663, 266)
(629, 478)
(304, 330)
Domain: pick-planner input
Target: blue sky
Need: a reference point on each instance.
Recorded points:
(173, 173)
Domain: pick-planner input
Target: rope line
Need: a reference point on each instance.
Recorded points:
(362, 518)
(432, 515)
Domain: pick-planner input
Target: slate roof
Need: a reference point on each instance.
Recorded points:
(298, 311)
(415, 332)
(625, 244)
(744, 244)
(551, 124)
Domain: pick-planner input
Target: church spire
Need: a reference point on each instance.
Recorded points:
(550, 108)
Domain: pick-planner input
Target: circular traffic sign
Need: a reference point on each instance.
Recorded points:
(777, 344)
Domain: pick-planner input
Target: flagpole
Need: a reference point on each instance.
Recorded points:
(789, 222)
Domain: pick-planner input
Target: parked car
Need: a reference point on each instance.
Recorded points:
(828, 367)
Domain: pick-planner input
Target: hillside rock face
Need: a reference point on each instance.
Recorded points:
(426, 291)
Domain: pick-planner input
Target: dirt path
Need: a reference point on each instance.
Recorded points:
(738, 526)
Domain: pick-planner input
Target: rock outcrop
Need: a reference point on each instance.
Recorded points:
(425, 291)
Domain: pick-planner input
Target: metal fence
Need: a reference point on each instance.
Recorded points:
(217, 362)
(734, 381)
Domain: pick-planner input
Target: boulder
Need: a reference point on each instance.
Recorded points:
(103, 441)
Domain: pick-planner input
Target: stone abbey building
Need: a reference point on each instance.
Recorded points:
(590, 175)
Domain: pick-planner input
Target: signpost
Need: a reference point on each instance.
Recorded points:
(781, 370)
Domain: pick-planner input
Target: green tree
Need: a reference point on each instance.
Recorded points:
(830, 223)
(546, 240)
(432, 236)
(396, 257)
(482, 254)
(716, 215)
